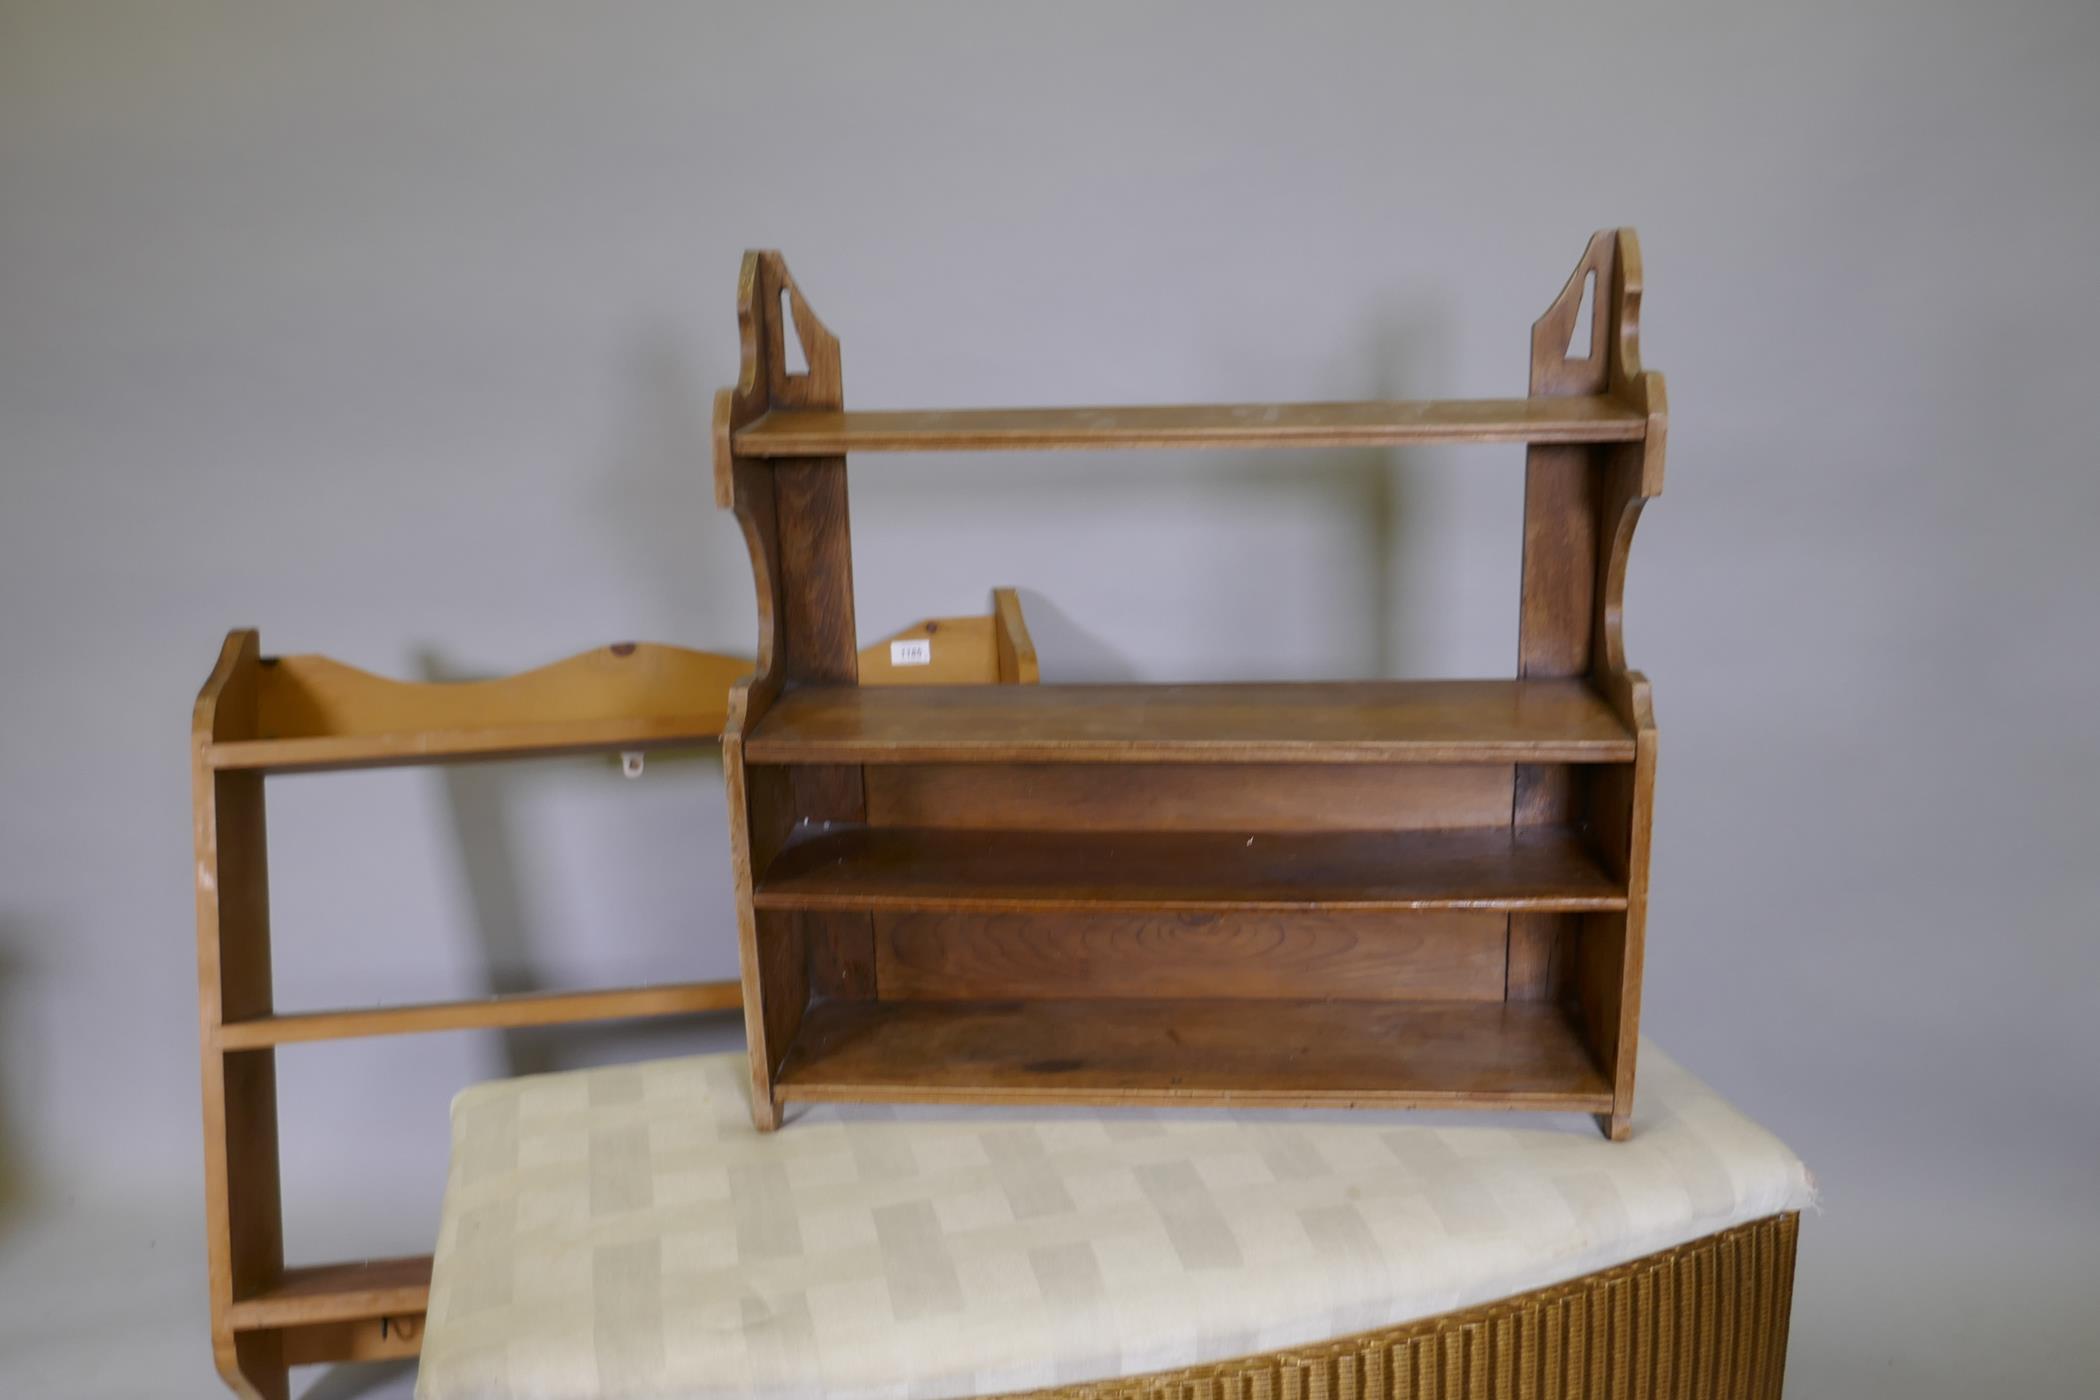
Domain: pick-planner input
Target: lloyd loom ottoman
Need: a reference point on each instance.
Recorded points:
(626, 1232)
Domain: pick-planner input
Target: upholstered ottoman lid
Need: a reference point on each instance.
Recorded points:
(625, 1232)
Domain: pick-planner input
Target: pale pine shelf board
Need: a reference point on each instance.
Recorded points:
(1251, 1053)
(1390, 422)
(323, 753)
(890, 868)
(346, 1292)
(485, 1013)
(1539, 721)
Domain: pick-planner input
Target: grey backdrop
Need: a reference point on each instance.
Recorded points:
(391, 329)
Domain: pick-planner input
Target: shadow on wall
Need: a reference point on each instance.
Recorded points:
(687, 561)
(483, 801)
(655, 499)
(1067, 651)
(366, 1378)
(1218, 613)
(1371, 488)
(1381, 479)
(657, 504)
(1376, 482)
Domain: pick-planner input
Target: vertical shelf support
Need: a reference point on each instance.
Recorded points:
(1581, 504)
(243, 1219)
(795, 520)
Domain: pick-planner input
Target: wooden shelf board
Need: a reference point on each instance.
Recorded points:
(1503, 721)
(337, 1293)
(320, 753)
(496, 1012)
(828, 433)
(1541, 870)
(391, 1337)
(1312, 1053)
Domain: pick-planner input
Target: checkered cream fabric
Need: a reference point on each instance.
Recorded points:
(624, 1232)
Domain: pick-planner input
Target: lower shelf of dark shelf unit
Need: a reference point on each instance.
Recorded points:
(1240, 1052)
(1542, 870)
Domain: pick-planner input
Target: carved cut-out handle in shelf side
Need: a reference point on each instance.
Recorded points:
(766, 289)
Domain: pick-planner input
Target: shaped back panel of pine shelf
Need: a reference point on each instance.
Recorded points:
(1001, 897)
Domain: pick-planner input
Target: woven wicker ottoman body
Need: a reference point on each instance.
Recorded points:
(624, 1232)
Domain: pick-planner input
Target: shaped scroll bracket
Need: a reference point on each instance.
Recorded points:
(1581, 503)
(792, 510)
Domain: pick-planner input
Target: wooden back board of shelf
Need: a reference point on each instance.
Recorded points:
(979, 898)
(259, 715)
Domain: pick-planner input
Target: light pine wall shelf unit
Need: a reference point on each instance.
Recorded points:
(261, 715)
(1384, 893)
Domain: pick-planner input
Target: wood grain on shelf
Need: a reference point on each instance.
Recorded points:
(811, 515)
(839, 953)
(1435, 956)
(805, 432)
(464, 745)
(392, 1337)
(1541, 869)
(1540, 950)
(1314, 1052)
(338, 1293)
(1190, 796)
(1557, 721)
(495, 1012)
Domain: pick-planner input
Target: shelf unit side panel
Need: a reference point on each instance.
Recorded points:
(244, 1222)
(1612, 947)
(755, 800)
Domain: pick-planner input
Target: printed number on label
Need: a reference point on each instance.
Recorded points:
(918, 652)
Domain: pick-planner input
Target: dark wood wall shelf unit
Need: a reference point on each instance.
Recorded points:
(1411, 893)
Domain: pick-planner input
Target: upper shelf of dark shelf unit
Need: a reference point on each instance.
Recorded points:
(1463, 721)
(1375, 423)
